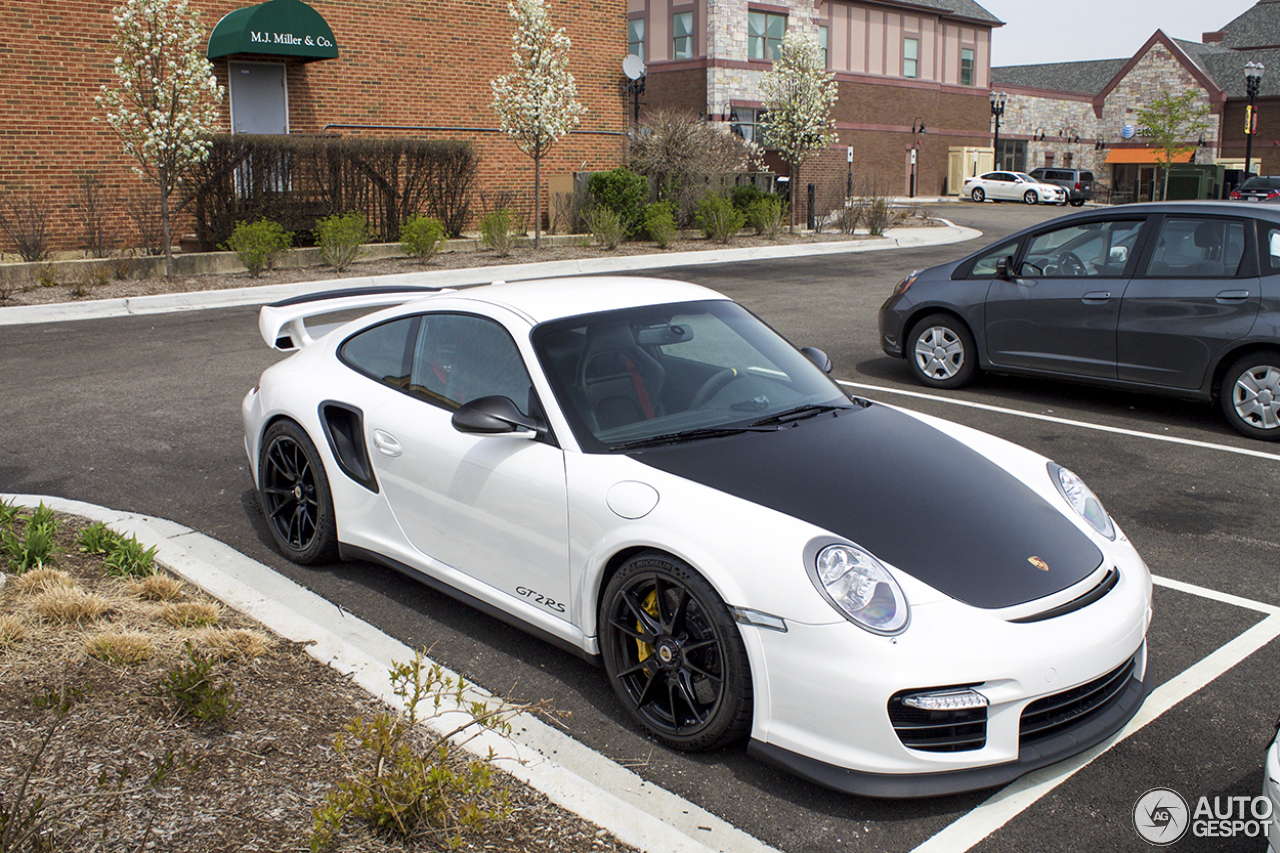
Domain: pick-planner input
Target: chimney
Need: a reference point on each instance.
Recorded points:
(1212, 38)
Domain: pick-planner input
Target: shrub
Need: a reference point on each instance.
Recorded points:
(97, 538)
(765, 215)
(158, 587)
(259, 244)
(622, 191)
(718, 218)
(421, 237)
(605, 225)
(69, 604)
(120, 646)
(340, 238)
(745, 195)
(498, 231)
(188, 614)
(35, 546)
(9, 510)
(47, 275)
(416, 793)
(12, 630)
(26, 224)
(660, 222)
(876, 215)
(126, 558)
(192, 687)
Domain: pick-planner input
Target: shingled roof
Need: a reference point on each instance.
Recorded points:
(1078, 78)
(1257, 27)
(960, 8)
(1225, 67)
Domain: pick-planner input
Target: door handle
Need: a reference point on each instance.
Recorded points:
(1233, 296)
(386, 444)
(1096, 297)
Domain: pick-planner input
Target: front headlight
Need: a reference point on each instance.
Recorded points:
(861, 588)
(901, 287)
(1082, 500)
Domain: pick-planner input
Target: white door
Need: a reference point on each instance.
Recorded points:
(259, 100)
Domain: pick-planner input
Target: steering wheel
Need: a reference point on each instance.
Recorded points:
(712, 386)
(1069, 263)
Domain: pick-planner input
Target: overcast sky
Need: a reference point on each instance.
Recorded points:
(1038, 31)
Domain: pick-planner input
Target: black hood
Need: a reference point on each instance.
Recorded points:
(909, 494)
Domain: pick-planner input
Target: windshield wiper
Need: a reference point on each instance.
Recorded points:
(691, 435)
(799, 413)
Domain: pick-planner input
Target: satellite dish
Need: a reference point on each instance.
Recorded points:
(633, 67)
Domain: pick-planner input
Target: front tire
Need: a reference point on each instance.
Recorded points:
(295, 495)
(674, 655)
(1030, 197)
(941, 352)
(1250, 394)
(978, 195)
(1078, 203)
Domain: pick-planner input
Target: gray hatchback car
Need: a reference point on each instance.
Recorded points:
(1177, 298)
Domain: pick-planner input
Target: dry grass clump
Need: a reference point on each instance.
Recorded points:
(12, 630)
(230, 644)
(42, 580)
(189, 614)
(158, 588)
(120, 646)
(69, 604)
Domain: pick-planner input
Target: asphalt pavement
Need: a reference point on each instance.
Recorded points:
(140, 413)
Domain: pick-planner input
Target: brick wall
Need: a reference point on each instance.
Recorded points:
(401, 63)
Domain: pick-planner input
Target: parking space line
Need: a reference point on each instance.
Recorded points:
(967, 831)
(1205, 445)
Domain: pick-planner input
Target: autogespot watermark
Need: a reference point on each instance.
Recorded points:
(1162, 816)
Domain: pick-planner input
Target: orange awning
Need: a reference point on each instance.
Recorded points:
(1145, 155)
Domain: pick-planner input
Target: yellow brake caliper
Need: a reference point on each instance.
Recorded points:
(650, 607)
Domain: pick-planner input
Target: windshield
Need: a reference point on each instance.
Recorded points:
(661, 372)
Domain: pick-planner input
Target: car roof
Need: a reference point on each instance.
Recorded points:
(552, 299)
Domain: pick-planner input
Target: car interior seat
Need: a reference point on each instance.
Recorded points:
(620, 381)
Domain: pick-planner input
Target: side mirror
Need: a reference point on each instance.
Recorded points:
(1002, 267)
(818, 357)
(495, 416)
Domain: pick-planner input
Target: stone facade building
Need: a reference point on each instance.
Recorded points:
(1085, 114)
(902, 66)
(406, 68)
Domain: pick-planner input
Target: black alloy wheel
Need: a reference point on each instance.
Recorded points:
(674, 654)
(295, 495)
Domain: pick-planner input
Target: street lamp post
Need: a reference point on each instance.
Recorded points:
(1252, 82)
(998, 100)
(917, 127)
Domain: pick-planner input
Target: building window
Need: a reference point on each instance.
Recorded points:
(1012, 155)
(966, 66)
(745, 122)
(824, 35)
(635, 37)
(911, 58)
(764, 35)
(682, 35)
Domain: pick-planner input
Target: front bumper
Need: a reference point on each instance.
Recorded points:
(1271, 790)
(1100, 725)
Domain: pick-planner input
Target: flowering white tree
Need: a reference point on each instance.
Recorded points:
(166, 101)
(798, 94)
(537, 104)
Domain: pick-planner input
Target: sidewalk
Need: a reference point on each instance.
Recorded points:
(896, 238)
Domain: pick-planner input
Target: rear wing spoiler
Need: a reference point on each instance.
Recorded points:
(283, 324)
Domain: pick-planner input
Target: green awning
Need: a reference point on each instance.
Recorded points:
(280, 27)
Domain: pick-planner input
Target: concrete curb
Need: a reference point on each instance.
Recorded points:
(898, 238)
(571, 775)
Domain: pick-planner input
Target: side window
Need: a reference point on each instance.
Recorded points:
(458, 358)
(986, 265)
(1271, 248)
(1191, 247)
(384, 352)
(1087, 249)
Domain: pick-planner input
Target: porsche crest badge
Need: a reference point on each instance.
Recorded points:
(1038, 563)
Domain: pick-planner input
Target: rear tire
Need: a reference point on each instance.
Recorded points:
(941, 352)
(295, 496)
(1250, 395)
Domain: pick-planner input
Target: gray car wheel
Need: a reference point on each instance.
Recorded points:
(1251, 396)
(941, 352)
(1030, 197)
(978, 194)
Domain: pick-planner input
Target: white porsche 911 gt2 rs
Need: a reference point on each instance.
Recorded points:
(643, 472)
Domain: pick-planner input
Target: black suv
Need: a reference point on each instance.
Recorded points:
(1077, 182)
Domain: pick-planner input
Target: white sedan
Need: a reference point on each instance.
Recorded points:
(644, 473)
(1012, 186)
